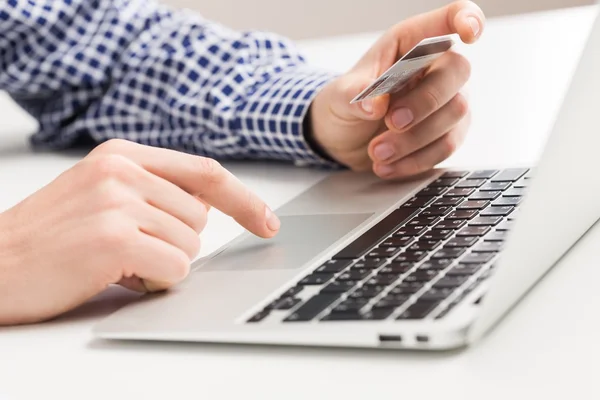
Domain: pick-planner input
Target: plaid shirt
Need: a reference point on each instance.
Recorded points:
(137, 70)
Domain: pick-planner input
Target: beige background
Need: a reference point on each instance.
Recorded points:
(300, 19)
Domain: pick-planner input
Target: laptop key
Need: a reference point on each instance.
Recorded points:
(313, 307)
(495, 186)
(369, 263)
(444, 182)
(447, 201)
(398, 241)
(338, 287)
(436, 211)
(419, 310)
(367, 292)
(470, 183)
(473, 231)
(497, 211)
(455, 174)
(435, 295)
(464, 270)
(450, 282)
(421, 276)
(420, 220)
(315, 279)
(508, 201)
(414, 230)
(425, 245)
(448, 253)
(350, 305)
(397, 268)
(383, 252)
(485, 221)
(391, 301)
(354, 275)
(432, 191)
(333, 266)
(497, 236)
(489, 195)
(438, 234)
(462, 214)
(477, 258)
(381, 280)
(450, 224)
(286, 303)
(473, 205)
(367, 240)
(437, 264)
(463, 242)
(505, 226)
(419, 202)
(291, 292)
(488, 247)
(340, 316)
(411, 256)
(514, 192)
(510, 175)
(259, 316)
(378, 314)
(483, 174)
(521, 183)
(407, 288)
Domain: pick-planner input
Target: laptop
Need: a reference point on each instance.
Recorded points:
(429, 264)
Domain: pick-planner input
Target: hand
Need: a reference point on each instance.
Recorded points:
(409, 133)
(126, 214)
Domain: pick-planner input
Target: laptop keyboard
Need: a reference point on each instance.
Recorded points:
(419, 261)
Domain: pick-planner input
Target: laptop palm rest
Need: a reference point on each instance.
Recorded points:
(299, 240)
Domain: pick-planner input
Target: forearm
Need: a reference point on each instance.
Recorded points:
(139, 71)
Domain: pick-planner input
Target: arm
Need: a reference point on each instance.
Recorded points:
(136, 70)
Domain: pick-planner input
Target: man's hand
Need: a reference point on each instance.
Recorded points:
(126, 214)
(409, 133)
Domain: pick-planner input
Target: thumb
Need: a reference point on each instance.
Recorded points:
(373, 109)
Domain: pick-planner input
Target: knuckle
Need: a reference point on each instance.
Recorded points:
(211, 170)
(414, 166)
(462, 65)
(460, 106)
(111, 195)
(109, 166)
(112, 146)
(432, 99)
(450, 144)
(113, 232)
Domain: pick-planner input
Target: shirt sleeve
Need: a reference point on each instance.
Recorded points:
(140, 71)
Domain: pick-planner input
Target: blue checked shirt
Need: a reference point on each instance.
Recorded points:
(137, 70)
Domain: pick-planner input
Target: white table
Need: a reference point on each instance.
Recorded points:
(547, 347)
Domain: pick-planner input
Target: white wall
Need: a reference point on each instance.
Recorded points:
(300, 19)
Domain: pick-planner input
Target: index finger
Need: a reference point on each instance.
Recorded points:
(464, 18)
(204, 178)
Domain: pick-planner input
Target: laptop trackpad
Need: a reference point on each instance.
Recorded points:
(300, 239)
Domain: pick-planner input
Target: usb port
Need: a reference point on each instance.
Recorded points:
(390, 338)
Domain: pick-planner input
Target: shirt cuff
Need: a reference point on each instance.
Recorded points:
(273, 119)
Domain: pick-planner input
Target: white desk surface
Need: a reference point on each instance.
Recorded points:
(547, 347)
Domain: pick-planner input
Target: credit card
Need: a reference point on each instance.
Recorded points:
(413, 63)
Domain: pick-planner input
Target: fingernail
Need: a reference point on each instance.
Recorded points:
(273, 222)
(474, 23)
(384, 170)
(383, 151)
(402, 117)
(367, 105)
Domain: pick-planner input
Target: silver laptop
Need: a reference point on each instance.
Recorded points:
(429, 264)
